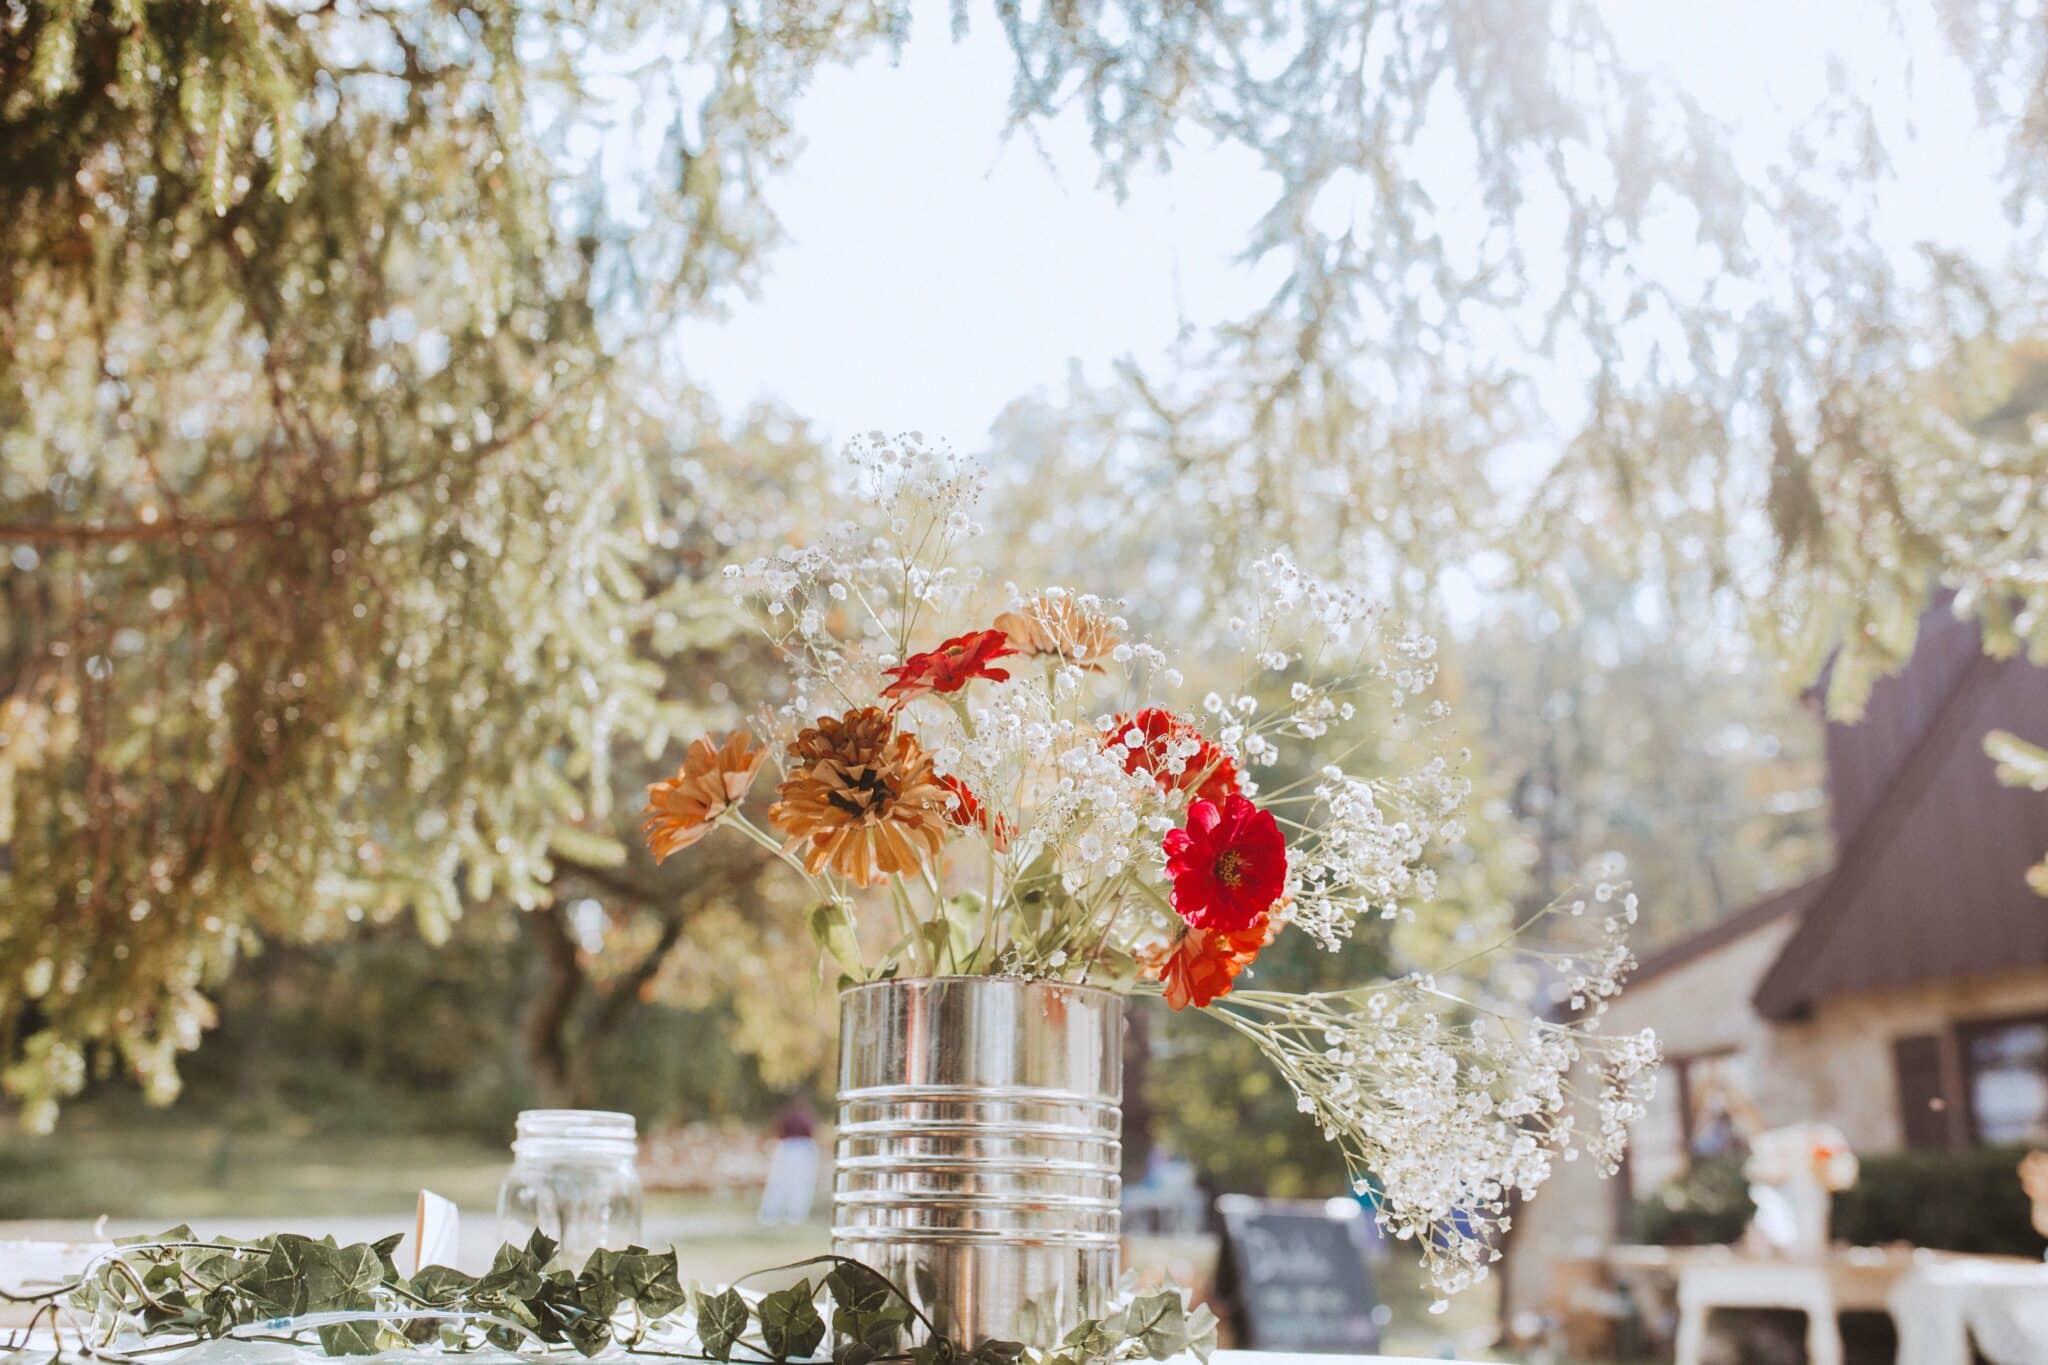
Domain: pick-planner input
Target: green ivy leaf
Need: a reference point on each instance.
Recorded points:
(859, 1287)
(790, 1326)
(588, 1335)
(515, 1271)
(556, 1306)
(442, 1286)
(340, 1277)
(280, 1286)
(383, 1248)
(642, 1277)
(927, 1284)
(180, 1233)
(351, 1338)
(1202, 1333)
(1158, 1322)
(721, 1322)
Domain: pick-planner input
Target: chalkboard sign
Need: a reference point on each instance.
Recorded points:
(1292, 1276)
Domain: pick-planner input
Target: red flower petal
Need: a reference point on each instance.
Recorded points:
(951, 666)
(1228, 865)
(1207, 772)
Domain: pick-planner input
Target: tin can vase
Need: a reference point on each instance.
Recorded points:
(979, 1149)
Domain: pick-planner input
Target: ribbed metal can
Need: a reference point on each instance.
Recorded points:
(979, 1148)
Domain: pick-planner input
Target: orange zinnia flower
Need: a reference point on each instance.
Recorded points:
(861, 798)
(1061, 626)
(951, 666)
(681, 809)
(1203, 964)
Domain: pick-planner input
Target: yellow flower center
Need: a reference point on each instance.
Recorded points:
(1230, 868)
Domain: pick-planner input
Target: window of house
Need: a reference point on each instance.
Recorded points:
(1702, 1110)
(1720, 1114)
(2005, 1075)
(1656, 1148)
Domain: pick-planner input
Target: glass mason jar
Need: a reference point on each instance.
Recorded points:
(573, 1177)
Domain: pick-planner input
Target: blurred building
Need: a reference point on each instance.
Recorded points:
(1902, 996)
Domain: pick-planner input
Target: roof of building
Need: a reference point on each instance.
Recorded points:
(1759, 914)
(1929, 881)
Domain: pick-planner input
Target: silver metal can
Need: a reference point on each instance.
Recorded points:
(979, 1148)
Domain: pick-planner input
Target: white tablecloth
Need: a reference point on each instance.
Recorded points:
(39, 1352)
(1941, 1309)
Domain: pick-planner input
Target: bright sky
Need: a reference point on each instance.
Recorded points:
(934, 272)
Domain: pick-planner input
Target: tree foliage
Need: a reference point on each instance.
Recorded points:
(355, 501)
(340, 494)
(1534, 297)
(1631, 728)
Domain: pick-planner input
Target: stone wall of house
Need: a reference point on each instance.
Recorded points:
(1838, 1064)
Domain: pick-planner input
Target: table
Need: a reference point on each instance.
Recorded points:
(2002, 1306)
(1845, 1279)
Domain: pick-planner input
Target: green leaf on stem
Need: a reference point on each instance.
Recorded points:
(721, 1322)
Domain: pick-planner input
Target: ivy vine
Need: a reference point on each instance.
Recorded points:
(165, 1293)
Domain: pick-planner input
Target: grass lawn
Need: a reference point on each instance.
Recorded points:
(170, 1170)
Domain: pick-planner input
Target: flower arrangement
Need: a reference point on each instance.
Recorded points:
(1010, 781)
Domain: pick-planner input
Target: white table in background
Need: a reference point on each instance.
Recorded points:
(2001, 1305)
(1844, 1280)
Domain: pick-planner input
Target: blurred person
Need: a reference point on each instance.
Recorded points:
(793, 1167)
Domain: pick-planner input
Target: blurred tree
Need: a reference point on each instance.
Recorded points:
(1534, 300)
(368, 1033)
(1625, 727)
(342, 438)
(342, 479)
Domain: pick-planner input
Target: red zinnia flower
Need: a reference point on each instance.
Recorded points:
(949, 667)
(1203, 964)
(1206, 770)
(1229, 866)
(968, 812)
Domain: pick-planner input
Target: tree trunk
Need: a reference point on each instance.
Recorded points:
(556, 1081)
(1137, 1103)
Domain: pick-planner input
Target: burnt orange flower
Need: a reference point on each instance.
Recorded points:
(951, 666)
(861, 798)
(1175, 752)
(1203, 964)
(1060, 626)
(681, 809)
(968, 813)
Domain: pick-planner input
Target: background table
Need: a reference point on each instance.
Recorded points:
(2002, 1307)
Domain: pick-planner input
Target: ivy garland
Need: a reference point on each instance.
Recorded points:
(158, 1294)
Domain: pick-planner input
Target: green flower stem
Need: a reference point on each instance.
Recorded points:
(920, 951)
